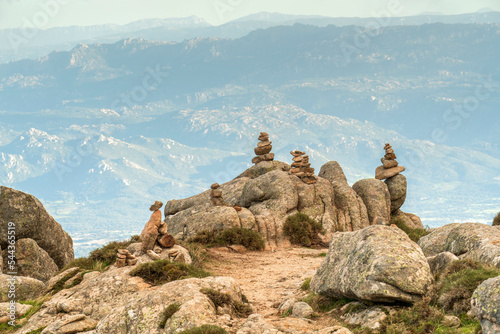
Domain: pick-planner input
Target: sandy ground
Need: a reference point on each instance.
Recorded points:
(269, 277)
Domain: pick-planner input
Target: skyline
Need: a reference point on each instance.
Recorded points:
(45, 14)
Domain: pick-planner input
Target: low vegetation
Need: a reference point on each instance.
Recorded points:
(413, 233)
(221, 299)
(458, 282)
(5, 328)
(306, 286)
(163, 271)
(424, 317)
(101, 258)
(233, 236)
(205, 329)
(496, 220)
(302, 230)
(168, 313)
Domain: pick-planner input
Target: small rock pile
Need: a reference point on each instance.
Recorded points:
(302, 168)
(124, 258)
(389, 166)
(263, 149)
(156, 231)
(216, 196)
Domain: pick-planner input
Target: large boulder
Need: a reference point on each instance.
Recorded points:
(350, 208)
(32, 221)
(467, 241)
(408, 219)
(377, 200)
(485, 304)
(25, 288)
(397, 186)
(145, 310)
(388, 267)
(32, 261)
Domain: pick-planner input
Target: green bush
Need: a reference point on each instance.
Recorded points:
(233, 236)
(220, 299)
(496, 220)
(163, 271)
(302, 230)
(205, 329)
(306, 285)
(168, 313)
(413, 233)
(458, 282)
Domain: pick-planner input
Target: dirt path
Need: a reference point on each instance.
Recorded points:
(267, 278)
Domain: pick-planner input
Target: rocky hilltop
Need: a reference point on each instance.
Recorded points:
(270, 191)
(382, 272)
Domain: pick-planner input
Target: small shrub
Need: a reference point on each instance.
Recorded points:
(306, 285)
(163, 271)
(496, 220)
(168, 313)
(220, 299)
(458, 282)
(302, 230)
(233, 236)
(241, 236)
(323, 304)
(205, 329)
(413, 233)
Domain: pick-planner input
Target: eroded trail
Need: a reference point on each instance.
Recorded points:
(267, 278)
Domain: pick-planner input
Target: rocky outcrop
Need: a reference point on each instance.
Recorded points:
(377, 199)
(388, 265)
(32, 261)
(467, 241)
(32, 221)
(26, 288)
(485, 305)
(351, 211)
(115, 302)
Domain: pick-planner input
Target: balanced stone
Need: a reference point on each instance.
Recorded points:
(263, 149)
(216, 196)
(156, 206)
(389, 166)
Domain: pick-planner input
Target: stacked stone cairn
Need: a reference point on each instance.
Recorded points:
(124, 258)
(396, 182)
(216, 196)
(389, 166)
(155, 232)
(263, 149)
(302, 168)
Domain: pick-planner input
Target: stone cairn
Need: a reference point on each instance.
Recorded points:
(263, 149)
(155, 232)
(396, 182)
(216, 196)
(302, 168)
(389, 166)
(124, 258)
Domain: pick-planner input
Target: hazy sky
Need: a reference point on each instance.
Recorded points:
(50, 13)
